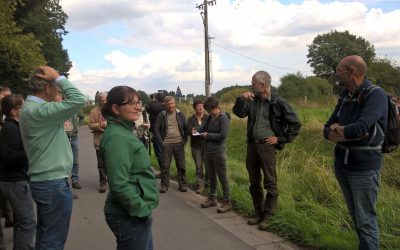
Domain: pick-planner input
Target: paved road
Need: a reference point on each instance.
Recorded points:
(179, 222)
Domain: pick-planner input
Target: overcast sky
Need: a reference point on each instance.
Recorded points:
(159, 44)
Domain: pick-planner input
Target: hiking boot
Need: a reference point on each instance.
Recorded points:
(183, 189)
(210, 202)
(264, 224)
(163, 189)
(76, 185)
(102, 188)
(255, 218)
(225, 207)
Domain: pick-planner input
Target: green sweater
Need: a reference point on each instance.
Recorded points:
(131, 181)
(42, 128)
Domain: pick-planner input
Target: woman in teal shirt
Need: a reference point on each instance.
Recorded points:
(133, 193)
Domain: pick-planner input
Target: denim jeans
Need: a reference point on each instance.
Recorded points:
(54, 207)
(131, 232)
(19, 194)
(360, 190)
(75, 166)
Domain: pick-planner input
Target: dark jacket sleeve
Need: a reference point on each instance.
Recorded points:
(292, 122)
(375, 104)
(184, 127)
(221, 135)
(158, 129)
(332, 119)
(12, 149)
(241, 108)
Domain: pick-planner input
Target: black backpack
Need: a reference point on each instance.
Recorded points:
(392, 134)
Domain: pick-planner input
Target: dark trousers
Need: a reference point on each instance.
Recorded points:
(101, 167)
(177, 151)
(202, 175)
(158, 151)
(19, 194)
(216, 163)
(261, 158)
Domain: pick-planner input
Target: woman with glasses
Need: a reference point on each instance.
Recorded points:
(133, 193)
(13, 178)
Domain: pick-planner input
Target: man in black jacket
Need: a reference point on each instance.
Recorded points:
(170, 131)
(271, 123)
(154, 109)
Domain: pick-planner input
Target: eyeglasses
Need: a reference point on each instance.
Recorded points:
(132, 103)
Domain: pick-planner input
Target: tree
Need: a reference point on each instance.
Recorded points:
(326, 51)
(296, 87)
(19, 53)
(386, 74)
(45, 19)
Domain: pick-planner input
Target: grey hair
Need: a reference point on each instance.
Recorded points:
(37, 84)
(262, 77)
(101, 94)
(169, 98)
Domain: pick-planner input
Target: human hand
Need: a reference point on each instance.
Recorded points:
(271, 140)
(247, 96)
(103, 124)
(49, 74)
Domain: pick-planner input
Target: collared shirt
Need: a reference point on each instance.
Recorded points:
(262, 127)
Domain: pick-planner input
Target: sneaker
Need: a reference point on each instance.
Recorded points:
(225, 207)
(163, 189)
(210, 202)
(264, 224)
(255, 219)
(102, 188)
(183, 189)
(76, 185)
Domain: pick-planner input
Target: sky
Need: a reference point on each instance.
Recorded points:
(154, 45)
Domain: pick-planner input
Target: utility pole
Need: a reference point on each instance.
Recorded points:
(204, 15)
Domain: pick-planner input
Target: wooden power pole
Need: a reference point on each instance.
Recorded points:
(204, 15)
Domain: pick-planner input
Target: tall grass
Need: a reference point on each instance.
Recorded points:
(312, 211)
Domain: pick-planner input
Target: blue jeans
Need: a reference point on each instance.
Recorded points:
(54, 207)
(131, 232)
(19, 194)
(75, 167)
(360, 190)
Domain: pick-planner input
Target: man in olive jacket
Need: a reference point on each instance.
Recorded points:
(271, 123)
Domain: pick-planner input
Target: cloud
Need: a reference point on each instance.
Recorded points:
(170, 35)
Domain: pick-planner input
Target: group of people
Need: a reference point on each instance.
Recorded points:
(37, 160)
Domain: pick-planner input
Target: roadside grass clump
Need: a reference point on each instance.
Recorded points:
(312, 211)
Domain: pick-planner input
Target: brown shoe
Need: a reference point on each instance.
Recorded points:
(75, 196)
(225, 207)
(264, 224)
(76, 185)
(102, 188)
(255, 218)
(163, 189)
(210, 202)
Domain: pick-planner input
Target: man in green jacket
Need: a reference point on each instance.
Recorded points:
(49, 153)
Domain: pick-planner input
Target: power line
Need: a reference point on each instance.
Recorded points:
(257, 60)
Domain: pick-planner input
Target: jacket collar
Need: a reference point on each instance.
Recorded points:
(127, 124)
